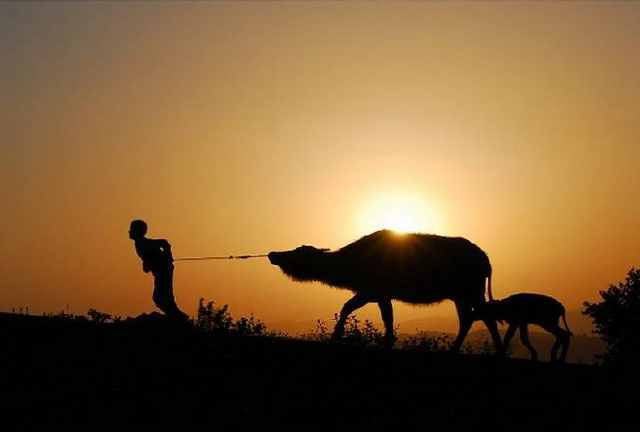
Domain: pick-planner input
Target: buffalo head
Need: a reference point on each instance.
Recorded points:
(301, 264)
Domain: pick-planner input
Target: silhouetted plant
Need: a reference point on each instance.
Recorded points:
(321, 333)
(360, 333)
(356, 332)
(219, 320)
(212, 319)
(428, 343)
(98, 317)
(62, 315)
(249, 327)
(617, 319)
(484, 347)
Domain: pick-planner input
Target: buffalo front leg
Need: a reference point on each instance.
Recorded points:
(356, 302)
(386, 310)
(509, 335)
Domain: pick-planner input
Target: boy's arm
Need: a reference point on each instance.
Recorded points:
(141, 250)
(166, 246)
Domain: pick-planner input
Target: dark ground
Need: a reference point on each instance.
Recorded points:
(57, 371)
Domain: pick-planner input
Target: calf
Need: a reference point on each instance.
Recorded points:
(520, 310)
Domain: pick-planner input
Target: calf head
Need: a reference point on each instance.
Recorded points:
(492, 310)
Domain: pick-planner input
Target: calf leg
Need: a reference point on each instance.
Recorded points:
(524, 337)
(493, 329)
(386, 310)
(562, 340)
(509, 335)
(356, 302)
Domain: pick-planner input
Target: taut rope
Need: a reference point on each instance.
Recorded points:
(202, 258)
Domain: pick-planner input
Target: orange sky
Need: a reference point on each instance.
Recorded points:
(250, 127)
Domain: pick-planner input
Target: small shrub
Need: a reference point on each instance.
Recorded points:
(361, 334)
(219, 320)
(320, 333)
(427, 343)
(249, 327)
(212, 319)
(356, 332)
(98, 317)
(617, 320)
(63, 316)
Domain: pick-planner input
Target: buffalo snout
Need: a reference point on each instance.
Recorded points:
(274, 258)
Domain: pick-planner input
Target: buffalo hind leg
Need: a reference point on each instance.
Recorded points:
(356, 302)
(524, 337)
(465, 317)
(386, 310)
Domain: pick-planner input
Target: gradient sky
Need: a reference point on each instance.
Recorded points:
(249, 127)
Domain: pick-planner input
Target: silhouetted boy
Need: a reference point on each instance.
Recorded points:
(157, 259)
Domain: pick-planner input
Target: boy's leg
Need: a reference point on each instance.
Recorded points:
(163, 295)
(158, 287)
(175, 311)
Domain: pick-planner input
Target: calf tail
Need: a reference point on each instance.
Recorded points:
(564, 319)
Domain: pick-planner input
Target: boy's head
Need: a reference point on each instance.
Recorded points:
(137, 229)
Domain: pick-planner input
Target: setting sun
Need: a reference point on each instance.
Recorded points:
(399, 212)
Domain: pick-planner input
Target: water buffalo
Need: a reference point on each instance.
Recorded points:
(413, 268)
(520, 310)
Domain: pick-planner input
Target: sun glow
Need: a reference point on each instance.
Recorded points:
(400, 213)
